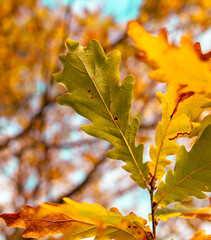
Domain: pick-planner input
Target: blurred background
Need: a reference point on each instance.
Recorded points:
(43, 153)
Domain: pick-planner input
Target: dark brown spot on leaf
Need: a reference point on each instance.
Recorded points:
(116, 118)
(89, 90)
(91, 97)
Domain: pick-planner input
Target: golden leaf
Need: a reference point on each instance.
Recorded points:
(171, 64)
(77, 221)
(178, 113)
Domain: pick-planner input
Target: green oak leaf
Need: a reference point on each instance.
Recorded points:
(191, 176)
(95, 93)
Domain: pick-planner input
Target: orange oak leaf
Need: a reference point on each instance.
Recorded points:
(39, 224)
(77, 221)
(200, 235)
(178, 65)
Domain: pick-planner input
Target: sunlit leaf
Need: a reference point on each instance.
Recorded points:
(178, 113)
(203, 56)
(95, 93)
(175, 65)
(77, 221)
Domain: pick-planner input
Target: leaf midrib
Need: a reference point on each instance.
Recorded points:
(160, 148)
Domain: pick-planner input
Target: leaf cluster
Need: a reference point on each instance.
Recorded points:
(95, 92)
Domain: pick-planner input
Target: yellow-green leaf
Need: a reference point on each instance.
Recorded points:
(180, 210)
(95, 93)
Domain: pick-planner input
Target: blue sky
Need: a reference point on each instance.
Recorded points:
(122, 10)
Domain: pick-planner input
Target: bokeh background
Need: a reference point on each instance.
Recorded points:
(43, 153)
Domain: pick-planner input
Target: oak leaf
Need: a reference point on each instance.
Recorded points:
(199, 130)
(77, 221)
(200, 235)
(180, 210)
(204, 57)
(179, 111)
(95, 93)
(171, 64)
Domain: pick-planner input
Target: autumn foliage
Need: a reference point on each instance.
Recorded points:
(91, 85)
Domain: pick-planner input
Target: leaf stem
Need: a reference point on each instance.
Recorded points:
(152, 207)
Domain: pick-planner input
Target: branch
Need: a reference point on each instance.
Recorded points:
(85, 181)
(73, 144)
(46, 102)
(29, 127)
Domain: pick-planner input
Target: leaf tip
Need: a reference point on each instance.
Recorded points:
(62, 100)
(132, 24)
(71, 44)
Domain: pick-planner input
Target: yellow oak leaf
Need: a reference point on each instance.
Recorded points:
(78, 221)
(185, 86)
(179, 110)
(171, 64)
